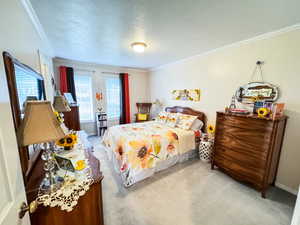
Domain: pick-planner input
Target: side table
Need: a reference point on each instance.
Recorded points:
(205, 150)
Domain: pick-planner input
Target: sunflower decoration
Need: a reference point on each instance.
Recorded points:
(173, 141)
(140, 155)
(211, 130)
(80, 165)
(263, 112)
(68, 141)
(156, 139)
(119, 150)
(59, 118)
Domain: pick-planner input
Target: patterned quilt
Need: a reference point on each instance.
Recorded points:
(137, 148)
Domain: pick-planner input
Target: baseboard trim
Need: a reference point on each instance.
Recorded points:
(286, 188)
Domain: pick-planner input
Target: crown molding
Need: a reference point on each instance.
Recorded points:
(233, 45)
(60, 60)
(36, 22)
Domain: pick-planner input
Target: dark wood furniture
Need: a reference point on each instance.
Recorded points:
(143, 108)
(71, 118)
(89, 209)
(101, 123)
(248, 148)
(186, 110)
(12, 66)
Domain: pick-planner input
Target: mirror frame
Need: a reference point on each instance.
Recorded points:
(27, 162)
(257, 86)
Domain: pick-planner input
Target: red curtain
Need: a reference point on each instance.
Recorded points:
(125, 99)
(67, 83)
(63, 79)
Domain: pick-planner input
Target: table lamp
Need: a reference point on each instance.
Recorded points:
(60, 104)
(40, 125)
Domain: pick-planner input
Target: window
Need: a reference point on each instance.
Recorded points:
(83, 87)
(113, 96)
(27, 85)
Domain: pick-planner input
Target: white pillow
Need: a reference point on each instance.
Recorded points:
(185, 121)
(162, 117)
(197, 125)
(172, 119)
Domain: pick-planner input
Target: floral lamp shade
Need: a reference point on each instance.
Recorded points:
(39, 124)
(60, 104)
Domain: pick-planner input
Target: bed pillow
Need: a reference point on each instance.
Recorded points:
(197, 125)
(185, 121)
(162, 117)
(172, 119)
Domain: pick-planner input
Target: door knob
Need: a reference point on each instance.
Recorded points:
(24, 208)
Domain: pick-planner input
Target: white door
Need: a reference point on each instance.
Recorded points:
(12, 192)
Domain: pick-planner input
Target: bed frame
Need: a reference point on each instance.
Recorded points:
(186, 110)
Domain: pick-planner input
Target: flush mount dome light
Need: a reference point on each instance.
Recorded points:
(138, 46)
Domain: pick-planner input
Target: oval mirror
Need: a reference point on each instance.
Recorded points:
(261, 91)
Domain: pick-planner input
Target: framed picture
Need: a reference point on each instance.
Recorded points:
(69, 98)
(186, 95)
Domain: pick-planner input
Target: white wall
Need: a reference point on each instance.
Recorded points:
(138, 83)
(219, 73)
(18, 37)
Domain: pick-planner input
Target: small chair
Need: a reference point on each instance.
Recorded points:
(143, 112)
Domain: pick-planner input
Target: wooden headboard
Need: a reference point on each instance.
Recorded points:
(186, 110)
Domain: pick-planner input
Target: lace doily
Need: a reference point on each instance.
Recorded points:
(66, 197)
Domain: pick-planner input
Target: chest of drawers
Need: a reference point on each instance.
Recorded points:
(248, 148)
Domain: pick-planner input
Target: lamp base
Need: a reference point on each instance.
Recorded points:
(50, 184)
(52, 180)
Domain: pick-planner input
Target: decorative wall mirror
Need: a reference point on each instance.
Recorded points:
(23, 84)
(257, 91)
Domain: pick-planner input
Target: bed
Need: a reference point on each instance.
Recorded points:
(138, 150)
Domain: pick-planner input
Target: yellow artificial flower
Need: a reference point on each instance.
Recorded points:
(68, 141)
(263, 112)
(80, 165)
(211, 129)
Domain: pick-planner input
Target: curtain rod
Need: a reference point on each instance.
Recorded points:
(86, 70)
(117, 73)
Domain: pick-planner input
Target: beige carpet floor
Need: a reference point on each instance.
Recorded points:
(189, 194)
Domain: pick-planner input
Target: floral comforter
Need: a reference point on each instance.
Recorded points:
(136, 149)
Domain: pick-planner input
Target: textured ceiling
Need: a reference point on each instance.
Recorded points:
(101, 31)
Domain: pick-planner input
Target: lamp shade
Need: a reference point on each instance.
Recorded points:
(39, 124)
(60, 104)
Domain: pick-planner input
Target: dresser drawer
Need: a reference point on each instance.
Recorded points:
(253, 143)
(251, 124)
(240, 172)
(247, 160)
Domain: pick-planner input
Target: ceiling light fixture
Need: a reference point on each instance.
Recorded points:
(138, 46)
